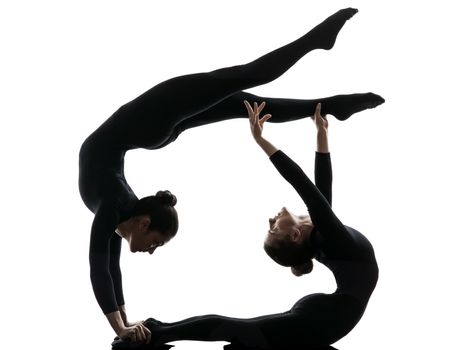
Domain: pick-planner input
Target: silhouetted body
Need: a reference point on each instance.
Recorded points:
(158, 116)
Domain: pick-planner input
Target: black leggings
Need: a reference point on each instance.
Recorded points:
(184, 102)
(316, 320)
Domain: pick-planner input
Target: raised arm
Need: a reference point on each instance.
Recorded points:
(323, 168)
(256, 127)
(319, 209)
(336, 238)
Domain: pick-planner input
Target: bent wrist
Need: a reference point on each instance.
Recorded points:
(116, 321)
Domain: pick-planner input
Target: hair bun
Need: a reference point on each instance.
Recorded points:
(166, 197)
(299, 270)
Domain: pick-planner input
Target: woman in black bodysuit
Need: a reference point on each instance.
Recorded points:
(316, 320)
(156, 118)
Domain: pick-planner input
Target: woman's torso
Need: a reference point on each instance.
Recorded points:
(101, 159)
(356, 271)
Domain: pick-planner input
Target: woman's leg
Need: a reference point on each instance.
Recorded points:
(182, 97)
(315, 320)
(254, 332)
(282, 109)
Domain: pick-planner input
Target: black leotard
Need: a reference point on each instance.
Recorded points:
(345, 251)
(159, 115)
(317, 319)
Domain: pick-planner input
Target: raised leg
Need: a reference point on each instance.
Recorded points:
(182, 97)
(282, 109)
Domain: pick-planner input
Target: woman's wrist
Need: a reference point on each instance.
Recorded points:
(322, 131)
(258, 139)
(267, 147)
(322, 141)
(116, 321)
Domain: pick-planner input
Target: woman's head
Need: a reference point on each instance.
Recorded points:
(161, 211)
(154, 222)
(288, 243)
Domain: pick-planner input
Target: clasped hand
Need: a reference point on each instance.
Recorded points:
(136, 332)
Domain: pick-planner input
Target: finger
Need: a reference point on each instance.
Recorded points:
(260, 108)
(255, 113)
(320, 120)
(147, 333)
(249, 108)
(265, 118)
(132, 335)
(318, 109)
(142, 333)
(251, 118)
(137, 333)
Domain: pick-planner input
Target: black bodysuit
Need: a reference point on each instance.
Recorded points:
(158, 116)
(345, 251)
(318, 319)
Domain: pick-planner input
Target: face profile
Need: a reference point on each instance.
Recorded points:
(146, 242)
(288, 240)
(140, 237)
(282, 226)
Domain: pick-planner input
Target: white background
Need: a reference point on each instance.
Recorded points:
(399, 170)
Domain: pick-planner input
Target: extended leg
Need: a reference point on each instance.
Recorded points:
(315, 320)
(282, 109)
(258, 332)
(186, 96)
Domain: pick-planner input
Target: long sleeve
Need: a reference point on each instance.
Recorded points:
(324, 175)
(104, 224)
(335, 238)
(114, 267)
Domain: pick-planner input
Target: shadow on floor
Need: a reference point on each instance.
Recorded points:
(240, 347)
(118, 344)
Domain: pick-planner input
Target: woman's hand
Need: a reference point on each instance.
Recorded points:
(123, 313)
(136, 333)
(322, 130)
(131, 324)
(256, 124)
(321, 122)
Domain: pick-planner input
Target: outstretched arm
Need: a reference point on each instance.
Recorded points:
(256, 127)
(321, 123)
(105, 221)
(103, 270)
(323, 169)
(336, 238)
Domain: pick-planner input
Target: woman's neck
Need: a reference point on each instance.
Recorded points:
(122, 229)
(306, 225)
(305, 220)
